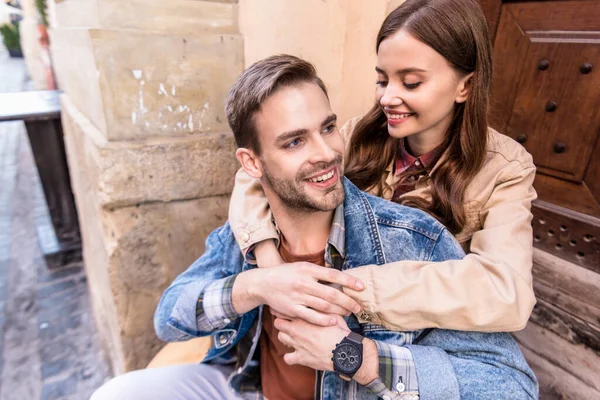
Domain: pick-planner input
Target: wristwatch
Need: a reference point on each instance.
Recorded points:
(348, 356)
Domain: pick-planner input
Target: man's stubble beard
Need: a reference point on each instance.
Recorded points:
(294, 197)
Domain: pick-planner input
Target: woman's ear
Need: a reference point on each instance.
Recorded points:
(250, 162)
(464, 88)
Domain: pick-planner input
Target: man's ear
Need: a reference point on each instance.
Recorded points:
(250, 162)
(464, 88)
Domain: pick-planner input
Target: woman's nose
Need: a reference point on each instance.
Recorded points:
(391, 97)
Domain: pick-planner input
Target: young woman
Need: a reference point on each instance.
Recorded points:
(426, 144)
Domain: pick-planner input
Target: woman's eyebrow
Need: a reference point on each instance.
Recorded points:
(401, 71)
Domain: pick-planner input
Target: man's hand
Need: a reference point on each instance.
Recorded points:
(295, 291)
(313, 346)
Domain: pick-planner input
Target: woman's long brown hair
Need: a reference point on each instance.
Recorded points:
(457, 30)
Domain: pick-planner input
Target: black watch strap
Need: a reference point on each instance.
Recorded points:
(355, 337)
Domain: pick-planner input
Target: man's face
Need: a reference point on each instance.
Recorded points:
(302, 149)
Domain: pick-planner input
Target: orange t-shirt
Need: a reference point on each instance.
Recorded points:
(279, 380)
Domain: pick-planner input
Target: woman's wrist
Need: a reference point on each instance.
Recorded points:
(266, 254)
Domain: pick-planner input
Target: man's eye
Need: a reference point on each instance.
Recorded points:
(329, 129)
(412, 85)
(292, 144)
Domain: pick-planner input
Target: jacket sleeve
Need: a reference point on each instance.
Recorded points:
(471, 365)
(489, 290)
(198, 302)
(249, 213)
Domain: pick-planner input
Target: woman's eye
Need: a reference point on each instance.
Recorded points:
(381, 83)
(412, 85)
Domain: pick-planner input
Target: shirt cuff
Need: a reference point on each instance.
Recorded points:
(214, 309)
(249, 237)
(397, 373)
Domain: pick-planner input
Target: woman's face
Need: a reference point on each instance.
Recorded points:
(417, 89)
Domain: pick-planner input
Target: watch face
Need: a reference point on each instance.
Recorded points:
(347, 358)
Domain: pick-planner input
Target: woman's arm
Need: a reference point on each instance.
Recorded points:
(251, 219)
(490, 290)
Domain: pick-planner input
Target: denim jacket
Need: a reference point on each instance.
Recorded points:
(449, 364)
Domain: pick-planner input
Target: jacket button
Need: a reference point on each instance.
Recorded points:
(222, 339)
(245, 237)
(400, 387)
(366, 316)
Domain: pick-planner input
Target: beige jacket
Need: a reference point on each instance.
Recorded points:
(488, 290)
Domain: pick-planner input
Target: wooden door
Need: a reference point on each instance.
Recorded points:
(546, 95)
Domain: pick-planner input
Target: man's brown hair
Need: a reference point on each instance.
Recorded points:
(255, 85)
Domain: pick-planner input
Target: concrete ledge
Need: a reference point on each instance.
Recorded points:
(173, 16)
(135, 84)
(148, 246)
(152, 170)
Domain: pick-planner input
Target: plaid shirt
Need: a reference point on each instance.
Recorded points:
(214, 310)
(413, 168)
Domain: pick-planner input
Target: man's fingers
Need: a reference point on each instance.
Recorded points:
(277, 314)
(286, 339)
(282, 325)
(334, 276)
(315, 317)
(335, 296)
(324, 306)
(291, 358)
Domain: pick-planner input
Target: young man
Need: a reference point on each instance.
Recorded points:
(278, 332)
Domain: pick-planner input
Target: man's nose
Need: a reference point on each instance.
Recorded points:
(391, 96)
(322, 151)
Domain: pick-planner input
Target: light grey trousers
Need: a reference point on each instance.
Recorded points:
(178, 382)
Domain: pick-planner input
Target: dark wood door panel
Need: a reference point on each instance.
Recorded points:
(546, 95)
(557, 15)
(592, 175)
(491, 9)
(510, 47)
(575, 196)
(556, 105)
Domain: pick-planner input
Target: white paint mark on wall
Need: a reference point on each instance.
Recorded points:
(162, 90)
(171, 115)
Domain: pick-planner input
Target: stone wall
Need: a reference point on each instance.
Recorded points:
(338, 36)
(150, 154)
(151, 158)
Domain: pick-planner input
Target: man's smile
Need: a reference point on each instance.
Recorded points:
(324, 179)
